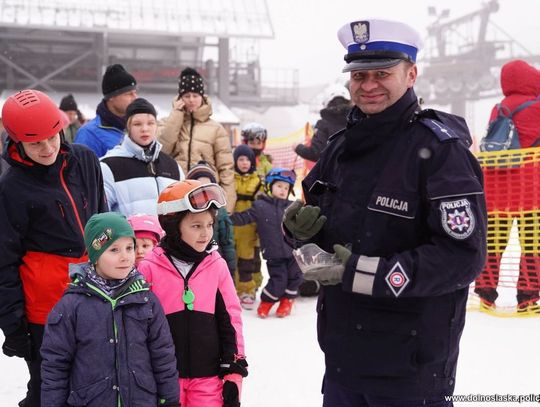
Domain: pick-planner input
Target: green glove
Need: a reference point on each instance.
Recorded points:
(303, 222)
(342, 253)
(331, 275)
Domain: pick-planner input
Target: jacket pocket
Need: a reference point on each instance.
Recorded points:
(83, 395)
(385, 353)
(139, 313)
(145, 382)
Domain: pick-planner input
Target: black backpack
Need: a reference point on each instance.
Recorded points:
(502, 133)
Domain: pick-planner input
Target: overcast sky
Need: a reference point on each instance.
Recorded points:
(306, 39)
(305, 30)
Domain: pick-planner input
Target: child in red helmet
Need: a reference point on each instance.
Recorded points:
(148, 233)
(195, 287)
(51, 189)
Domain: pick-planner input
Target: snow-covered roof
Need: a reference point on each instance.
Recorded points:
(222, 18)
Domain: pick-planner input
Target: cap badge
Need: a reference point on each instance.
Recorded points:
(360, 31)
(99, 241)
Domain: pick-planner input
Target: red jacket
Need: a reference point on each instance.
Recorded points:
(521, 82)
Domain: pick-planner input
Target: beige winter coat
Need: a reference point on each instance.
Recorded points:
(209, 142)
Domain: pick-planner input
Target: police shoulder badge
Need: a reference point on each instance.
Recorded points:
(103, 238)
(457, 218)
(360, 31)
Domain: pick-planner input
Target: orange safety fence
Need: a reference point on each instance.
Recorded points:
(281, 149)
(512, 188)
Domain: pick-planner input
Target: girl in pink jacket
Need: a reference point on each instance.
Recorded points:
(195, 287)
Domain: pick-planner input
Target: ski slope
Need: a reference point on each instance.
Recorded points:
(498, 356)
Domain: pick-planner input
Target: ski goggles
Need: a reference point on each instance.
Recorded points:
(198, 199)
(253, 135)
(283, 175)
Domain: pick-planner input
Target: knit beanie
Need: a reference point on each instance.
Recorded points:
(117, 80)
(190, 81)
(244, 150)
(202, 169)
(68, 103)
(140, 105)
(101, 230)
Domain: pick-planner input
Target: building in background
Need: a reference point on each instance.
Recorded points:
(64, 46)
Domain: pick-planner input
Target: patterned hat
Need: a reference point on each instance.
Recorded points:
(202, 169)
(101, 230)
(190, 81)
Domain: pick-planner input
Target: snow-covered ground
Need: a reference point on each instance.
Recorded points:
(498, 356)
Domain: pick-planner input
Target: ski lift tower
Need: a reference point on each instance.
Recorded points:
(464, 56)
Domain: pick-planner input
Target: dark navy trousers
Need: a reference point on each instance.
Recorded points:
(338, 396)
(285, 278)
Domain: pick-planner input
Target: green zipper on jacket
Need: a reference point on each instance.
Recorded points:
(136, 286)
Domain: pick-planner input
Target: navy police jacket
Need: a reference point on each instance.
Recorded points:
(406, 193)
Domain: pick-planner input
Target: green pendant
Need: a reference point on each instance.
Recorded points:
(188, 297)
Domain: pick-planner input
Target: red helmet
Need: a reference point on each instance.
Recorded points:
(146, 223)
(30, 115)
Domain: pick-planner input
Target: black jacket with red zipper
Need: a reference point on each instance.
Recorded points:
(43, 210)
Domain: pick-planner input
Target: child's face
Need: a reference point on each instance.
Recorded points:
(256, 144)
(243, 164)
(43, 152)
(142, 246)
(142, 129)
(280, 189)
(117, 261)
(197, 229)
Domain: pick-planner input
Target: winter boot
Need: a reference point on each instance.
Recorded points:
(486, 306)
(264, 309)
(285, 307)
(247, 301)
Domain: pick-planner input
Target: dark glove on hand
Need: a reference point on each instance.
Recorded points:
(303, 222)
(18, 343)
(231, 393)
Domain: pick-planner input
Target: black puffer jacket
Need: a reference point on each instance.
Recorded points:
(333, 119)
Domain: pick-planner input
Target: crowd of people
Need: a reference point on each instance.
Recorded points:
(131, 245)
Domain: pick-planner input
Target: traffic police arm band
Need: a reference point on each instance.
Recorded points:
(364, 275)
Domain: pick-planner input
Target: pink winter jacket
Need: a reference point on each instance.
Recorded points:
(208, 339)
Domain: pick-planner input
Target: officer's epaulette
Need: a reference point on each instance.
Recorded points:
(445, 126)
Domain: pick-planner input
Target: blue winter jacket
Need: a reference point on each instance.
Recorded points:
(98, 137)
(267, 212)
(99, 351)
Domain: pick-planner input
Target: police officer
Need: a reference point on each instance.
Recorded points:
(399, 198)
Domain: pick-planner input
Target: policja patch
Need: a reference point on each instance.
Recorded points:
(457, 219)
